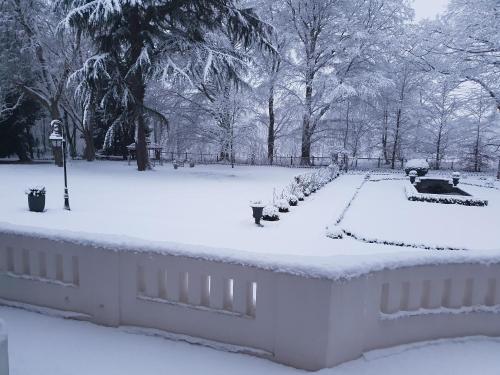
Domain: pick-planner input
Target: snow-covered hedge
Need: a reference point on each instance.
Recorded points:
(413, 195)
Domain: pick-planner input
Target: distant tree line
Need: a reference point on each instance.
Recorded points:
(267, 77)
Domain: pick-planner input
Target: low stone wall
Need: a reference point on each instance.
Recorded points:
(308, 323)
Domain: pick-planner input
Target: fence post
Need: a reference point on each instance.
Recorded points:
(291, 160)
(378, 163)
(498, 170)
(356, 163)
(402, 163)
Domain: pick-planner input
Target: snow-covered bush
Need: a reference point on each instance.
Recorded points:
(307, 192)
(293, 200)
(270, 213)
(283, 205)
(300, 196)
(421, 166)
(334, 232)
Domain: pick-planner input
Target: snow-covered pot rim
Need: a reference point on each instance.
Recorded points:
(257, 204)
(413, 173)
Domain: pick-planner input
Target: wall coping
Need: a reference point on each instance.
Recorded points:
(335, 267)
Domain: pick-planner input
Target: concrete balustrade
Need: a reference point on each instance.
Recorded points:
(4, 350)
(309, 323)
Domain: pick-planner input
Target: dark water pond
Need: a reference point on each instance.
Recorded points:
(434, 186)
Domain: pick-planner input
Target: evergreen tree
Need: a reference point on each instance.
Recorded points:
(161, 39)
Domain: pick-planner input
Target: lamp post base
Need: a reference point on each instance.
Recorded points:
(66, 200)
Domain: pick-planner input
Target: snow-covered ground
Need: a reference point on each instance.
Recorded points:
(205, 211)
(394, 218)
(40, 344)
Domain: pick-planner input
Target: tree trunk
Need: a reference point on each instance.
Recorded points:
(306, 124)
(346, 134)
(271, 136)
(88, 129)
(396, 138)
(384, 136)
(438, 149)
(137, 87)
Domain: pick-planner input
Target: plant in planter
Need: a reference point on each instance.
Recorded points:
(307, 192)
(270, 213)
(36, 198)
(455, 177)
(175, 164)
(283, 205)
(300, 196)
(191, 164)
(293, 200)
(257, 211)
(413, 176)
(421, 166)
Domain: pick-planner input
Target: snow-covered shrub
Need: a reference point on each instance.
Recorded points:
(307, 192)
(293, 200)
(36, 191)
(490, 183)
(421, 166)
(300, 196)
(334, 232)
(283, 205)
(270, 213)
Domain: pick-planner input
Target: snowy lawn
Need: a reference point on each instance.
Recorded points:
(204, 212)
(382, 211)
(41, 344)
(205, 205)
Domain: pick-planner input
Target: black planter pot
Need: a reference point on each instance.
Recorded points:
(36, 203)
(257, 213)
(412, 179)
(455, 181)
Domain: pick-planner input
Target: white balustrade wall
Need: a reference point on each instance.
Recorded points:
(309, 323)
(4, 350)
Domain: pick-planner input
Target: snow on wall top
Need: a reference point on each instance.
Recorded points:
(337, 267)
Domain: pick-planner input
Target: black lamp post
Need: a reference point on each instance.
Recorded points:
(57, 140)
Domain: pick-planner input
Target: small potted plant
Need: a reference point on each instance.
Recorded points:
(455, 176)
(191, 164)
(293, 200)
(257, 210)
(175, 164)
(36, 198)
(300, 196)
(413, 176)
(270, 213)
(307, 192)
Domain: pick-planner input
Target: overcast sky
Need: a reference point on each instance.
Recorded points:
(428, 8)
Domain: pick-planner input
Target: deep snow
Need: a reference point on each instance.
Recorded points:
(40, 344)
(392, 217)
(204, 212)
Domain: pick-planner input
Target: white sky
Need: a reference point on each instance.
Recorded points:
(428, 8)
